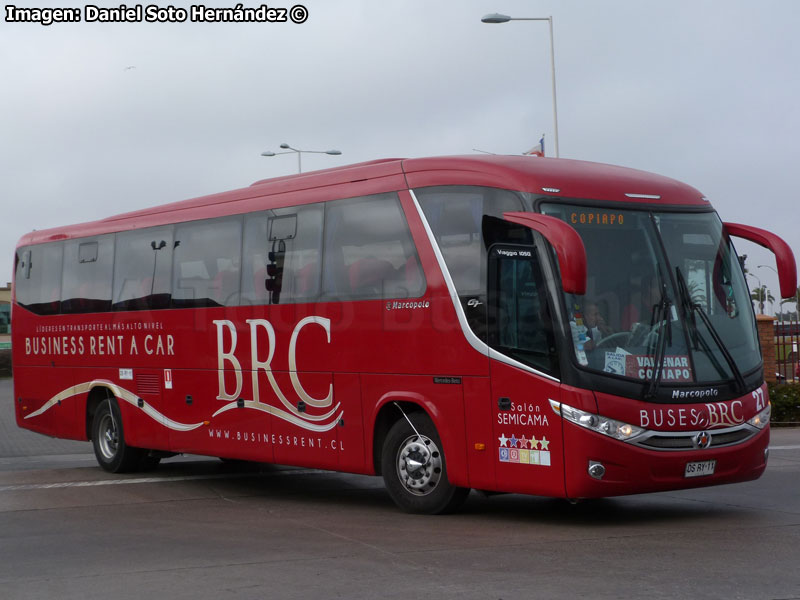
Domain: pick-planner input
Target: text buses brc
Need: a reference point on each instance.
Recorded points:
(512, 324)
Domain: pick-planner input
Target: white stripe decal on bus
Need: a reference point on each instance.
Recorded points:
(149, 410)
(282, 414)
(120, 393)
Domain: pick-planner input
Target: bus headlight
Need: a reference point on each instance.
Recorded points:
(598, 423)
(761, 419)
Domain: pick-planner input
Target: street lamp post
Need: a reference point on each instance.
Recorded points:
(760, 292)
(498, 18)
(300, 153)
(774, 270)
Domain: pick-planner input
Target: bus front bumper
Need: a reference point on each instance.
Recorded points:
(625, 468)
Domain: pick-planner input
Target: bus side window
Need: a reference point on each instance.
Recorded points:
(38, 278)
(254, 260)
(369, 253)
(206, 263)
(456, 215)
(142, 269)
(87, 273)
(281, 262)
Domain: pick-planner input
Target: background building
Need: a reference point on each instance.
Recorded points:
(5, 314)
(5, 330)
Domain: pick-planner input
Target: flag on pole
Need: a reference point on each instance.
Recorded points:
(537, 150)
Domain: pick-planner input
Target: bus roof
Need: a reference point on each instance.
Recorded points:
(557, 177)
(542, 176)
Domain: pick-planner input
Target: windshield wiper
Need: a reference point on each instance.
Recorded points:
(660, 320)
(690, 308)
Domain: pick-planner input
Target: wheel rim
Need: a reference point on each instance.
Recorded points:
(419, 465)
(108, 438)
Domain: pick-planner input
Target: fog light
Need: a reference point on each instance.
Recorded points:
(596, 469)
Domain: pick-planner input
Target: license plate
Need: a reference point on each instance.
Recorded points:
(700, 469)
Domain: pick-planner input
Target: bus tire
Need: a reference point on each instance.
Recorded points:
(415, 470)
(108, 440)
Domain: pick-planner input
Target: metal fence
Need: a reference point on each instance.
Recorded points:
(787, 344)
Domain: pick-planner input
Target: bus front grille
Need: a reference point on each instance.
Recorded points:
(655, 440)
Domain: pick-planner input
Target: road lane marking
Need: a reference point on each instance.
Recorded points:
(785, 447)
(13, 460)
(139, 480)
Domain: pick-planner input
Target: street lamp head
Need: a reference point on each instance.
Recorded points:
(285, 146)
(333, 152)
(267, 153)
(495, 18)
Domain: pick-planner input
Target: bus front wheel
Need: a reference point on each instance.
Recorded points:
(108, 439)
(415, 469)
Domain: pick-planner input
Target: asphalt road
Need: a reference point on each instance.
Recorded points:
(199, 529)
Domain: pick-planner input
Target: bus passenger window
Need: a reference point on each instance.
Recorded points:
(142, 269)
(281, 262)
(87, 273)
(206, 261)
(369, 252)
(456, 216)
(38, 278)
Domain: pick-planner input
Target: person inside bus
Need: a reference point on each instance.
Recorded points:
(596, 325)
(641, 311)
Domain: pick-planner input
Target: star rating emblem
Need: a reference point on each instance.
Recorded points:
(514, 441)
(503, 440)
(534, 443)
(523, 442)
(544, 442)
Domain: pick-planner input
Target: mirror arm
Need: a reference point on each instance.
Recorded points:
(568, 245)
(784, 257)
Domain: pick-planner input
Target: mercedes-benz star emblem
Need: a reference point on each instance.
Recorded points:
(702, 440)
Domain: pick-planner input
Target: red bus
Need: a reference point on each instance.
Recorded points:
(511, 324)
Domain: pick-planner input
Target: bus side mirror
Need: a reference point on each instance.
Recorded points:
(784, 257)
(568, 244)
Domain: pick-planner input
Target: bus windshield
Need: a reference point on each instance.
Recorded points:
(663, 288)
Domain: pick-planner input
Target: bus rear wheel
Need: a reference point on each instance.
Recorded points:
(415, 469)
(108, 439)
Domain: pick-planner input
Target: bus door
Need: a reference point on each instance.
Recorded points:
(527, 434)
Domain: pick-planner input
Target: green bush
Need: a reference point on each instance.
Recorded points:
(785, 398)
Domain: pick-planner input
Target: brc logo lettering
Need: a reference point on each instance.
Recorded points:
(716, 414)
(226, 357)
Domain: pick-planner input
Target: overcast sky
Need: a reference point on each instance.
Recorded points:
(705, 91)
